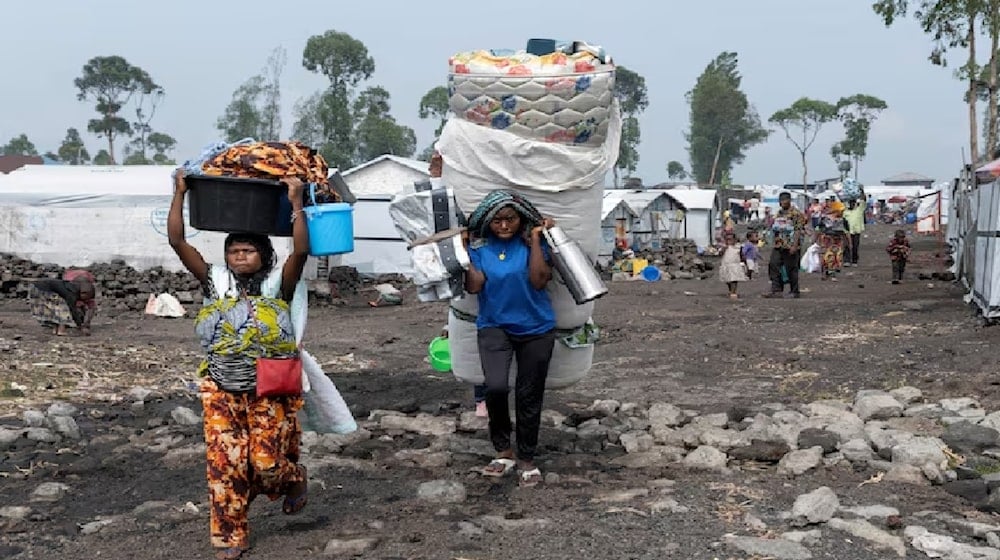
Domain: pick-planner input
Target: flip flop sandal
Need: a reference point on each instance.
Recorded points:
(231, 553)
(294, 504)
(530, 478)
(498, 467)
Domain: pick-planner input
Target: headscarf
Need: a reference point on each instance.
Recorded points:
(479, 221)
(268, 259)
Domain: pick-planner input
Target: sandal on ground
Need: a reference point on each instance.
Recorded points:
(231, 553)
(297, 495)
(501, 466)
(530, 478)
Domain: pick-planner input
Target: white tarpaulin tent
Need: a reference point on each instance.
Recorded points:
(974, 231)
(702, 210)
(80, 215)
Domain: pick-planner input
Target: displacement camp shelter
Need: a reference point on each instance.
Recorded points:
(974, 233)
(701, 214)
(378, 247)
(72, 215)
(617, 218)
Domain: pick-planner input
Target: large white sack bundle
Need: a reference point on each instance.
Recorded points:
(568, 366)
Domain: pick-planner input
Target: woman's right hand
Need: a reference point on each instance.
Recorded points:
(180, 185)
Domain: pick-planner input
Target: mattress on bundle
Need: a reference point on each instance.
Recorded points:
(553, 98)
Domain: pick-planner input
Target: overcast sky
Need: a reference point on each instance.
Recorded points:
(200, 51)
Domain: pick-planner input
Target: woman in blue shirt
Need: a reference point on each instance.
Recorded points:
(509, 271)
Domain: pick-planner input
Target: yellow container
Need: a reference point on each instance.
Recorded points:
(638, 265)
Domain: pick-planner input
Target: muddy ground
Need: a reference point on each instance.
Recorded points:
(681, 342)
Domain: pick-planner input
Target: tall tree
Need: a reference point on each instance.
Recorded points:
(19, 146)
(161, 144)
(255, 108)
(951, 23)
(145, 109)
(376, 131)
(110, 81)
(434, 105)
(857, 113)
(325, 119)
(801, 123)
(72, 150)
(630, 89)
(724, 125)
(675, 171)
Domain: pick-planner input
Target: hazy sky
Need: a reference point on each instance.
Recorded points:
(201, 51)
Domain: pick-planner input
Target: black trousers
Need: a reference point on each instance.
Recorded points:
(853, 248)
(788, 259)
(897, 269)
(533, 353)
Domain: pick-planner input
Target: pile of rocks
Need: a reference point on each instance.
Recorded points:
(121, 287)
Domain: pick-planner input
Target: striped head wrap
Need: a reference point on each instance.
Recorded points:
(479, 221)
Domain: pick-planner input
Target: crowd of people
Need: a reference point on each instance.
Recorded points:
(831, 230)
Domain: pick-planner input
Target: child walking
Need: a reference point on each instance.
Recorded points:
(751, 254)
(732, 270)
(899, 252)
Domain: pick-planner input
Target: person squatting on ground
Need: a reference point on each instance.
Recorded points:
(750, 251)
(899, 252)
(787, 229)
(831, 238)
(252, 442)
(61, 303)
(732, 270)
(510, 267)
(854, 218)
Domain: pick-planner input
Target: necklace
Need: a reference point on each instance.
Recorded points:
(503, 252)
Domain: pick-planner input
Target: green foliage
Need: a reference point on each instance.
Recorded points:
(630, 89)
(343, 59)
(801, 123)
(724, 125)
(110, 81)
(857, 113)
(434, 105)
(348, 129)
(72, 150)
(19, 146)
(675, 171)
(255, 108)
(103, 158)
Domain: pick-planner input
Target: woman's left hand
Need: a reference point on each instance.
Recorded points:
(546, 224)
(295, 187)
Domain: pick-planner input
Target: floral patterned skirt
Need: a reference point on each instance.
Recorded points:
(49, 309)
(252, 448)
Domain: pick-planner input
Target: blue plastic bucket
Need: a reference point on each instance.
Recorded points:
(650, 274)
(331, 226)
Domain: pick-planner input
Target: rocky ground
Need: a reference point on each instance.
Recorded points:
(857, 422)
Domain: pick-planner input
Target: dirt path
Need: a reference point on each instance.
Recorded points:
(680, 342)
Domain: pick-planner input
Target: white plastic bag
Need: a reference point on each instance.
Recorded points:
(164, 305)
(325, 410)
(811, 261)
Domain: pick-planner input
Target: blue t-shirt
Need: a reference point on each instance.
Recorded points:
(508, 300)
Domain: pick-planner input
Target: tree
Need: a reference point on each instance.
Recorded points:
(376, 131)
(162, 144)
(103, 158)
(857, 113)
(951, 23)
(72, 149)
(144, 116)
(807, 116)
(724, 125)
(19, 146)
(324, 120)
(675, 171)
(630, 89)
(255, 109)
(434, 105)
(110, 82)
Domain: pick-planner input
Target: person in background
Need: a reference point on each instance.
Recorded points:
(768, 217)
(854, 219)
(750, 253)
(899, 252)
(731, 269)
(61, 303)
(815, 212)
(754, 209)
(783, 267)
(831, 238)
(510, 268)
(252, 443)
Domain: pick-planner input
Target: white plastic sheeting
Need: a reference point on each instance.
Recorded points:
(974, 233)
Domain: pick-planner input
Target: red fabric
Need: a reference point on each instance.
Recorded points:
(73, 274)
